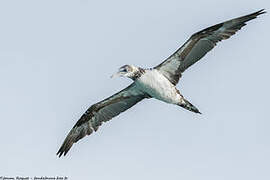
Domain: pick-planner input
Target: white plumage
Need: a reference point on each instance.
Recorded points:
(158, 86)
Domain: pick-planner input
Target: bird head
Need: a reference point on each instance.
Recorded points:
(126, 71)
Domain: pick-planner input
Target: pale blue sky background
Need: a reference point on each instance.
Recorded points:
(56, 58)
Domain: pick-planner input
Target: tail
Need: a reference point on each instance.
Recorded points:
(187, 105)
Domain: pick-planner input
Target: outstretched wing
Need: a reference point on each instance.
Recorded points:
(199, 44)
(99, 113)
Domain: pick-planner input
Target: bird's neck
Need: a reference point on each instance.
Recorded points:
(138, 73)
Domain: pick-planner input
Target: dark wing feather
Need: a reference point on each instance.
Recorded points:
(199, 44)
(99, 113)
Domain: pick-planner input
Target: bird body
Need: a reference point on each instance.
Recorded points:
(158, 82)
(158, 86)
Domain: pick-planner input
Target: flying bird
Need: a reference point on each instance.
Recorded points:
(158, 82)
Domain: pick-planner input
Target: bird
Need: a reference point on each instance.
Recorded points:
(158, 82)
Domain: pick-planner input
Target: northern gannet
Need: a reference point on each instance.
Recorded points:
(158, 82)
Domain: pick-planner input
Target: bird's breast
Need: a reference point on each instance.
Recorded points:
(156, 85)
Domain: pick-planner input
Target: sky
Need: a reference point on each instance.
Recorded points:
(56, 59)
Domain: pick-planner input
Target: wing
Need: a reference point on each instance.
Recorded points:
(99, 113)
(199, 44)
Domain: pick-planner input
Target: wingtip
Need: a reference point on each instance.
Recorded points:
(257, 13)
(250, 16)
(262, 11)
(59, 153)
(62, 151)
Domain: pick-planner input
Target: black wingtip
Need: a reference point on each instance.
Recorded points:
(262, 11)
(257, 13)
(63, 149)
(60, 152)
(252, 15)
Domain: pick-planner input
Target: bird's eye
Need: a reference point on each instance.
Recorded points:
(124, 70)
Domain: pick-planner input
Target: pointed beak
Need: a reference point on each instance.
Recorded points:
(118, 74)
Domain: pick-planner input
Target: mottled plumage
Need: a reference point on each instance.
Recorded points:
(199, 44)
(158, 82)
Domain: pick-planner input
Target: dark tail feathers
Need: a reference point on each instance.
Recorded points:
(187, 105)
